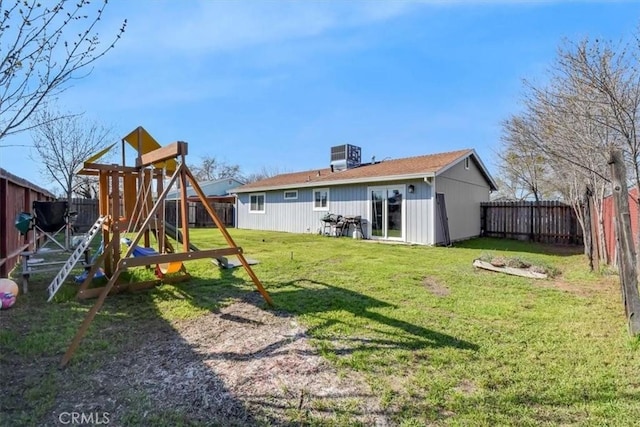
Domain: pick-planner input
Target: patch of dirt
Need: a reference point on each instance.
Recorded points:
(240, 366)
(466, 387)
(435, 287)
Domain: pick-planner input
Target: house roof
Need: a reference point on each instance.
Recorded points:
(220, 180)
(388, 170)
(213, 188)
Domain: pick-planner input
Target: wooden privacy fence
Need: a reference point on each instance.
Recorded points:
(87, 210)
(545, 222)
(198, 216)
(16, 196)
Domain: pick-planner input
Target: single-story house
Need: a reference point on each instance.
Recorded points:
(430, 199)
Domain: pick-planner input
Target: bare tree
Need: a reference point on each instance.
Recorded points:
(584, 123)
(85, 187)
(62, 143)
(522, 164)
(592, 106)
(43, 45)
(589, 106)
(210, 168)
(610, 98)
(264, 173)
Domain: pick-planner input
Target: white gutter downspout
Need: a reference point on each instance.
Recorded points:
(235, 214)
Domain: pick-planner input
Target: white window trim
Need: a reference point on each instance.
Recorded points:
(290, 191)
(466, 163)
(313, 199)
(264, 204)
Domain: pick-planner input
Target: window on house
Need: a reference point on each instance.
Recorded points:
(321, 199)
(466, 163)
(256, 202)
(291, 194)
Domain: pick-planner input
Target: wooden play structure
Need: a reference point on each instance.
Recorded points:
(126, 205)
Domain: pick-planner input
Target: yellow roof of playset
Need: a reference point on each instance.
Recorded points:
(143, 143)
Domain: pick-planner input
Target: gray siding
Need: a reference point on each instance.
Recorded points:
(293, 216)
(298, 216)
(464, 190)
(419, 213)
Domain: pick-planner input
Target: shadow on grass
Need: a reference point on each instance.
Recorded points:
(139, 367)
(493, 244)
(133, 364)
(313, 297)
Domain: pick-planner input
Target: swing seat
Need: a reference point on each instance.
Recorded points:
(170, 267)
(139, 250)
(161, 269)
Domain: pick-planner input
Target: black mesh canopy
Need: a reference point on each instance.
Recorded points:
(50, 216)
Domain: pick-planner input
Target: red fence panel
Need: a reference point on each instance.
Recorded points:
(609, 223)
(16, 196)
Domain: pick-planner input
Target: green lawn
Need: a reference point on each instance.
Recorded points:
(437, 341)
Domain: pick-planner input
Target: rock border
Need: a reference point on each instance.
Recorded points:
(509, 270)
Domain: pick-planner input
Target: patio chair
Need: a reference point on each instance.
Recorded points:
(51, 219)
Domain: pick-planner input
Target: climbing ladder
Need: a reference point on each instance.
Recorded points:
(62, 275)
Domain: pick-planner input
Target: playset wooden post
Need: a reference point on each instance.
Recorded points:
(141, 216)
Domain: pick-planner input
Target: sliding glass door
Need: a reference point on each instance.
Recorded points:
(387, 212)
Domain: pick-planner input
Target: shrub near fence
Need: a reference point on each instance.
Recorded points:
(544, 222)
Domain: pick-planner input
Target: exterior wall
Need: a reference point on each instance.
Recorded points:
(464, 190)
(420, 207)
(298, 216)
(293, 216)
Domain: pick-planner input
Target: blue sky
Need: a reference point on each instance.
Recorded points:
(275, 84)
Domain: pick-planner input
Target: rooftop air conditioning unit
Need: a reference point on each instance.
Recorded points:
(345, 156)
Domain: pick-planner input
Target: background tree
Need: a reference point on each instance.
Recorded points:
(62, 142)
(586, 115)
(522, 166)
(85, 187)
(569, 125)
(210, 169)
(42, 46)
(264, 173)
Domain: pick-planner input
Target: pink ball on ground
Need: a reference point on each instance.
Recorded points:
(8, 285)
(7, 299)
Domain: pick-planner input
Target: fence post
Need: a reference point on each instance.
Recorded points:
(626, 248)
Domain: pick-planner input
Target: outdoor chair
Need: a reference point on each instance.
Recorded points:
(50, 219)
